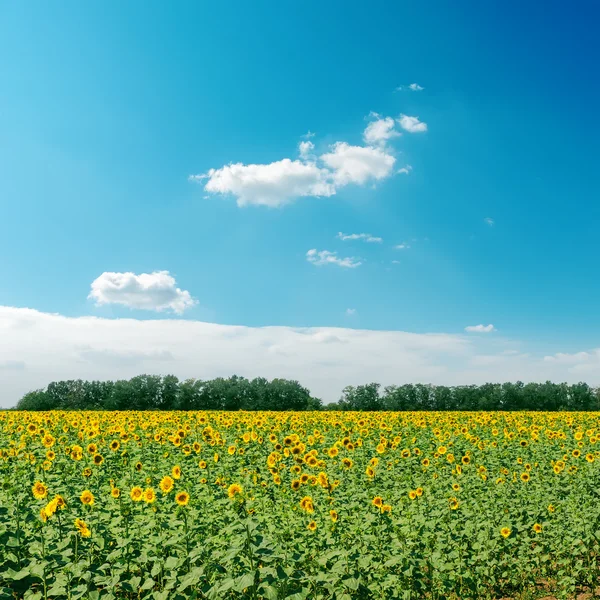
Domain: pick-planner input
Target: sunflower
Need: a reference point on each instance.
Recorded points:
(115, 445)
(312, 526)
(115, 492)
(149, 495)
(412, 494)
(202, 464)
(87, 497)
(454, 503)
(419, 491)
(136, 493)
(525, 477)
(176, 472)
(82, 528)
(295, 484)
(49, 509)
(551, 508)
(98, 459)
(40, 490)
(231, 450)
(138, 466)
(505, 532)
(334, 515)
(537, 528)
(307, 504)
(166, 484)
(465, 460)
(182, 498)
(377, 501)
(234, 489)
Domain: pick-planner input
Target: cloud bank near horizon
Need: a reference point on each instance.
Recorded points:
(40, 347)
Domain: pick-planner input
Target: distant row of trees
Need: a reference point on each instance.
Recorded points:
(489, 396)
(155, 392)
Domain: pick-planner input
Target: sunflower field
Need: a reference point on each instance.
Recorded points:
(320, 505)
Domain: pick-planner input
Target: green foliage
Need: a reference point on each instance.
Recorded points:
(154, 392)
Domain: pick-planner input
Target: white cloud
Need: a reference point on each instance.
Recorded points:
(395, 262)
(367, 237)
(308, 135)
(278, 183)
(12, 365)
(415, 87)
(305, 149)
(358, 164)
(350, 312)
(324, 257)
(380, 131)
(272, 184)
(52, 347)
(148, 291)
(480, 328)
(489, 221)
(406, 169)
(571, 359)
(412, 124)
(402, 246)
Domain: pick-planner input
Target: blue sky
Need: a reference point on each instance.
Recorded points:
(107, 109)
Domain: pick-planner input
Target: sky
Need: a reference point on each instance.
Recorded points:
(330, 192)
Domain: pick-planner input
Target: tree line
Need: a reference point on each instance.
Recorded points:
(155, 392)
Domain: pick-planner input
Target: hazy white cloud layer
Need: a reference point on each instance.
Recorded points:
(156, 291)
(38, 348)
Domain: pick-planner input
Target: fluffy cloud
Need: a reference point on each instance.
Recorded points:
(324, 257)
(489, 221)
(325, 359)
(480, 328)
(358, 164)
(402, 246)
(406, 169)
(415, 87)
(305, 149)
(367, 237)
(156, 291)
(277, 183)
(412, 124)
(273, 184)
(380, 131)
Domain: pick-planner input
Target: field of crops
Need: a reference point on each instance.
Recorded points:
(337, 505)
